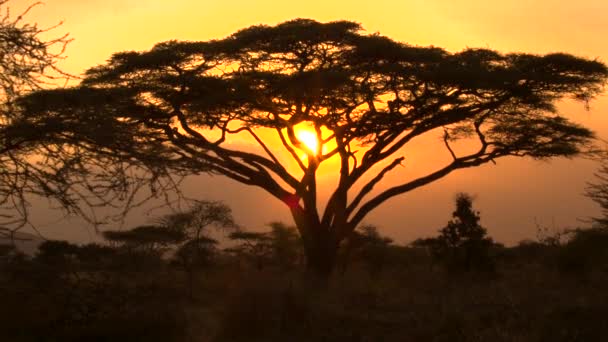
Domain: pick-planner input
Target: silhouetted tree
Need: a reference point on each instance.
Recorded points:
(462, 244)
(585, 251)
(286, 245)
(27, 62)
(375, 249)
(95, 256)
(201, 217)
(198, 249)
(146, 238)
(255, 246)
(56, 252)
(193, 255)
(181, 107)
(597, 191)
(143, 246)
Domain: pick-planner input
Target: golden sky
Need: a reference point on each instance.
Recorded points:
(512, 196)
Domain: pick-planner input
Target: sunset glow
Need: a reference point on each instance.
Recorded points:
(309, 139)
(101, 28)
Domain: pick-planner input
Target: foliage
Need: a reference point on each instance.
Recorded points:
(530, 302)
(27, 63)
(197, 249)
(56, 252)
(462, 244)
(196, 221)
(196, 253)
(145, 238)
(366, 244)
(255, 246)
(597, 191)
(286, 245)
(180, 107)
(280, 246)
(585, 251)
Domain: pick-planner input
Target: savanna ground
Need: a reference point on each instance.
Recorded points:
(535, 292)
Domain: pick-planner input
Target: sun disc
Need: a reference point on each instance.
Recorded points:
(309, 139)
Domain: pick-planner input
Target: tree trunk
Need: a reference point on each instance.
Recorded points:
(320, 244)
(321, 250)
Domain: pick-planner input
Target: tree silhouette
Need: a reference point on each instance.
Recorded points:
(198, 248)
(184, 107)
(143, 246)
(256, 246)
(27, 62)
(286, 245)
(462, 244)
(196, 221)
(597, 191)
(367, 244)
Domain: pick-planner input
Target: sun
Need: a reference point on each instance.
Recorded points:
(309, 139)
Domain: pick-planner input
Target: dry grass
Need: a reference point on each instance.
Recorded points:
(404, 303)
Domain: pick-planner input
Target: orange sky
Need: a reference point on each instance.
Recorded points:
(511, 196)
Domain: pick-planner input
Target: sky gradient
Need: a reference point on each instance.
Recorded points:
(513, 196)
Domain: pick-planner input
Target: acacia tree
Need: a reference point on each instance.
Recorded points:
(463, 243)
(185, 106)
(27, 62)
(597, 191)
(43, 159)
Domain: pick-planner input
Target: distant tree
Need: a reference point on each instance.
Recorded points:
(58, 254)
(281, 246)
(286, 245)
(376, 249)
(255, 246)
(196, 253)
(585, 251)
(52, 248)
(597, 191)
(184, 108)
(197, 249)
(193, 255)
(142, 247)
(197, 221)
(154, 239)
(462, 244)
(367, 245)
(95, 256)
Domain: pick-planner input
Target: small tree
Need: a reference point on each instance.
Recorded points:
(143, 246)
(462, 244)
(597, 191)
(147, 239)
(367, 245)
(286, 245)
(584, 252)
(375, 249)
(255, 246)
(197, 221)
(197, 249)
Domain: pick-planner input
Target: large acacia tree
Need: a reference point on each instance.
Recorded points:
(182, 105)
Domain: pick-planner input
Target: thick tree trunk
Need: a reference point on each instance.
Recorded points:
(320, 245)
(321, 252)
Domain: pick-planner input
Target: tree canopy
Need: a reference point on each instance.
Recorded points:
(27, 62)
(182, 108)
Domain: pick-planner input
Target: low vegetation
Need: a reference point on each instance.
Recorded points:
(151, 283)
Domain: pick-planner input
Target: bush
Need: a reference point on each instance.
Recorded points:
(462, 244)
(586, 251)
